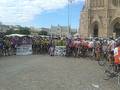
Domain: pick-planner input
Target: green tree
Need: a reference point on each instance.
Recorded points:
(43, 33)
(24, 30)
(21, 30)
(10, 31)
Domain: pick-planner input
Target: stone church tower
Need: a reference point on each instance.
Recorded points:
(100, 18)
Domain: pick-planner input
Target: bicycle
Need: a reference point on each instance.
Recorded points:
(103, 58)
(112, 71)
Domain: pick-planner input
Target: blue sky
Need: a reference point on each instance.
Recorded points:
(60, 16)
(40, 13)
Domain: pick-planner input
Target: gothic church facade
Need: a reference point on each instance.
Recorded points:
(100, 18)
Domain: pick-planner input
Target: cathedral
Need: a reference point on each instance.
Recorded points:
(100, 18)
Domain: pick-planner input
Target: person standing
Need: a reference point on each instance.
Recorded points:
(52, 48)
(117, 54)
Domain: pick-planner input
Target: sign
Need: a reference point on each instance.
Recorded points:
(24, 50)
(60, 51)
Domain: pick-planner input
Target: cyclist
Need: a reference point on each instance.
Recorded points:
(1, 46)
(117, 55)
(111, 47)
(97, 48)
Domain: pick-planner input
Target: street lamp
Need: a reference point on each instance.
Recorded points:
(69, 24)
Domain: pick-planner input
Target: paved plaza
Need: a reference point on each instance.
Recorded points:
(42, 72)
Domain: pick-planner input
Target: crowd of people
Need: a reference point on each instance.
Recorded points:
(96, 48)
(105, 51)
(92, 47)
(100, 49)
(7, 46)
(40, 44)
(77, 47)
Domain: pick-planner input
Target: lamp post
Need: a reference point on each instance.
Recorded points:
(69, 24)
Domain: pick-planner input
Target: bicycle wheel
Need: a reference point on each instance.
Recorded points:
(109, 71)
(118, 78)
(102, 61)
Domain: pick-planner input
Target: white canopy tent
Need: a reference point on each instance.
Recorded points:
(14, 35)
(23, 49)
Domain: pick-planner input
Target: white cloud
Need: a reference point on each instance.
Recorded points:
(20, 11)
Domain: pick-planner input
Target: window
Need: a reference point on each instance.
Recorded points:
(116, 3)
(97, 3)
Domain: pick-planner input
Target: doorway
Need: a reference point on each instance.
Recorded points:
(95, 30)
(117, 29)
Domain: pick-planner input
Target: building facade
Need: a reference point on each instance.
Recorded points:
(61, 31)
(100, 18)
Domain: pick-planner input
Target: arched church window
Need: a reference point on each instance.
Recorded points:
(97, 3)
(92, 3)
(116, 3)
(119, 3)
(101, 3)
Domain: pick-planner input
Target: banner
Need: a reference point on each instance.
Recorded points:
(60, 51)
(24, 50)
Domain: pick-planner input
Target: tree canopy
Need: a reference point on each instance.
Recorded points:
(21, 30)
(43, 33)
